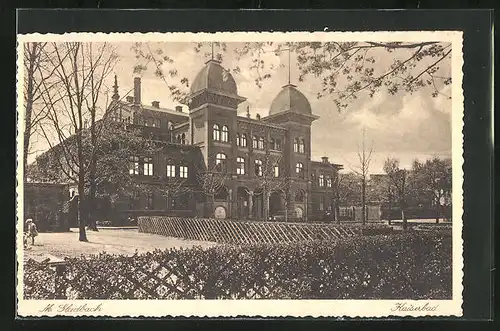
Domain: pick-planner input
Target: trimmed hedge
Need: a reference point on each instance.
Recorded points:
(412, 265)
(242, 232)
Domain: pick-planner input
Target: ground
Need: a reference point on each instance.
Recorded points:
(113, 241)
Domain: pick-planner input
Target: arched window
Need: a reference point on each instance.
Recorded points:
(220, 162)
(301, 146)
(238, 140)
(255, 142)
(225, 134)
(258, 167)
(261, 143)
(299, 170)
(296, 145)
(240, 166)
(321, 180)
(222, 194)
(216, 132)
(272, 144)
(183, 138)
(243, 140)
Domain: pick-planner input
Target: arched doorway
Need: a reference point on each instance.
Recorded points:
(223, 194)
(276, 204)
(258, 204)
(242, 202)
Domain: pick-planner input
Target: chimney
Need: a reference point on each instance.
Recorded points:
(155, 104)
(130, 98)
(137, 90)
(178, 109)
(258, 117)
(324, 159)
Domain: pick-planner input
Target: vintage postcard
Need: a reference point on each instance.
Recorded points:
(240, 174)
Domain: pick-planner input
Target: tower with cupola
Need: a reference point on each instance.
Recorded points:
(291, 110)
(213, 108)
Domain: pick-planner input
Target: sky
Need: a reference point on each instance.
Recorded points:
(405, 126)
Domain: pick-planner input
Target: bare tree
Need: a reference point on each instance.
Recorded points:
(362, 169)
(270, 177)
(212, 180)
(173, 187)
(401, 185)
(433, 179)
(345, 189)
(37, 76)
(80, 70)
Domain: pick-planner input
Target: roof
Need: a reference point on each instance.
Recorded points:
(290, 99)
(214, 77)
(157, 109)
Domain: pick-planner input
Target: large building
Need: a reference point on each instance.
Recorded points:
(269, 154)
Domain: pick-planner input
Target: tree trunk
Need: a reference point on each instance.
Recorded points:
(92, 196)
(29, 106)
(266, 205)
(82, 213)
(363, 201)
(437, 212)
(403, 218)
(389, 214)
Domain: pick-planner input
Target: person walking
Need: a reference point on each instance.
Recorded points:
(32, 232)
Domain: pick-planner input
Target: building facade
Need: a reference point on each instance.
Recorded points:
(231, 164)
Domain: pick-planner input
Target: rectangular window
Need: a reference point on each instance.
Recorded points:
(240, 166)
(277, 145)
(133, 168)
(321, 203)
(276, 171)
(148, 166)
(321, 180)
(170, 170)
(328, 181)
(261, 143)
(183, 172)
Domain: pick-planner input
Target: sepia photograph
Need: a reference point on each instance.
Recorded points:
(319, 173)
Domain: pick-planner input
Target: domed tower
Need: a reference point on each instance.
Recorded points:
(291, 109)
(213, 108)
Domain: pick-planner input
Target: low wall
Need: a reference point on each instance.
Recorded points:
(241, 232)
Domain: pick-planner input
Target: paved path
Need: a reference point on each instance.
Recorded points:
(112, 241)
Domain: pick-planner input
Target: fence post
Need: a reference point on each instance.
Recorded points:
(60, 285)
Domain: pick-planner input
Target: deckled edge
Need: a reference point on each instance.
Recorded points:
(212, 35)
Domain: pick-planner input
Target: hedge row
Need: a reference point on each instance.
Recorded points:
(412, 265)
(241, 232)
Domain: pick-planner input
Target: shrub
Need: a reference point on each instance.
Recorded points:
(414, 265)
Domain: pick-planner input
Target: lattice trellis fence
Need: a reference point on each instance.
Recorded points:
(242, 232)
(412, 265)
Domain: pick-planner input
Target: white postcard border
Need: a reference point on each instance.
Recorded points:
(258, 308)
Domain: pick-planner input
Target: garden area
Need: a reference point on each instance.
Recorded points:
(356, 264)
